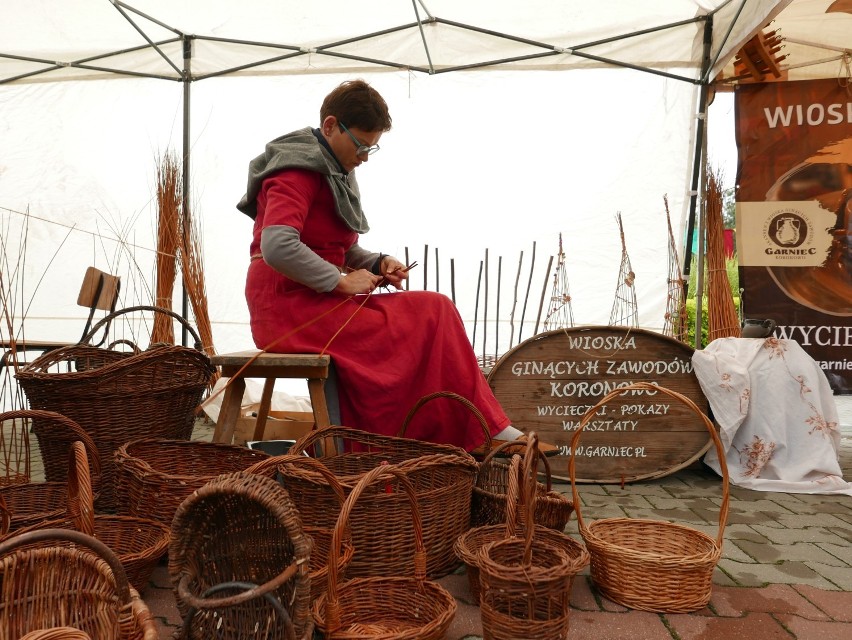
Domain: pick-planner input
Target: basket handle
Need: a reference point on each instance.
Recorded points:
(255, 591)
(78, 432)
(493, 453)
(246, 586)
(109, 318)
(526, 491)
(454, 396)
(512, 496)
(81, 507)
(69, 535)
(376, 474)
(647, 386)
(5, 516)
(273, 462)
(312, 437)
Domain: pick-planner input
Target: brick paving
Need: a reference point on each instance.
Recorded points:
(785, 571)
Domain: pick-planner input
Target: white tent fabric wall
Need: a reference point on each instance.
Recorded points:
(494, 159)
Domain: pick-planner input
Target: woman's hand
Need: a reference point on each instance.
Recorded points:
(393, 271)
(360, 281)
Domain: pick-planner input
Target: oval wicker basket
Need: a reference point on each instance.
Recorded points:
(53, 577)
(33, 502)
(154, 475)
(116, 396)
(386, 606)
(442, 476)
(468, 544)
(652, 565)
(241, 528)
(552, 509)
(138, 543)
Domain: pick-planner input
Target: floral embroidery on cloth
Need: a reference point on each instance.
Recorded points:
(754, 456)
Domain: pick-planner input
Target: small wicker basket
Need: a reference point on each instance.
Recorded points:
(55, 577)
(138, 543)
(652, 565)
(30, 503)
(390, 607)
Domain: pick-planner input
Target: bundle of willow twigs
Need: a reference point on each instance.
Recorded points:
(169, 194)
(676, 318)
(722, 314)
(193, 280)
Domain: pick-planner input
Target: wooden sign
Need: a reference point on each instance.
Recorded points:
(548, 383)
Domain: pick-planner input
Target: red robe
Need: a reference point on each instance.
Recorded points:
(392, 351)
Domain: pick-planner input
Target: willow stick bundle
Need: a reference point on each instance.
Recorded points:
(624, 309)
(676, 318)
(193, 280)
(722, 320)
(169, 198)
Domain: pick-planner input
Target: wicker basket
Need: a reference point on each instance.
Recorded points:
(468, 545)
(552, 509)
(77, 582)
(115, 396)
(649, 564)
(390, 607)
(321, 536)
(443, 482)
(526, 581)
(241, 529)
(153, 476)
(33, 502)
(57, 633)
(138, 543)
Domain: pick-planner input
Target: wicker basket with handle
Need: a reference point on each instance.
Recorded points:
(468, 544)
(116, 396)
(525, 582)
(652, 565)
(238, 556)
(33, 502)
(56, 577)
(490, 494)
(321, 536)
(442, 476)
(389, 606)
(138, 543)
(154, 475)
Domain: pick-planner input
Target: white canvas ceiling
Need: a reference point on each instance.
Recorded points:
(497, 157)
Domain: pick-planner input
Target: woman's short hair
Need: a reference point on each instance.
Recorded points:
(356, 104)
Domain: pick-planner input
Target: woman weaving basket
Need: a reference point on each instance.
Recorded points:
(310, 284)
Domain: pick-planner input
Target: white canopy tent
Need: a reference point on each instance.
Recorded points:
(513, 122)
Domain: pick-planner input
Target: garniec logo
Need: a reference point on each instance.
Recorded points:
(787, 229)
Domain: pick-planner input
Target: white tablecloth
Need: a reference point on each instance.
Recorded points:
(777, 416)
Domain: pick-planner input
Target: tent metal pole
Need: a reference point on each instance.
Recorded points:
(187, 80)
(697, 187)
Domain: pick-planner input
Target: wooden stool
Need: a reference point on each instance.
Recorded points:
(270, 366)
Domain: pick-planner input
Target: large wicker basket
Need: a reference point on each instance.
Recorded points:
(442, 476)
(649, 564)
(241, 529)
(33, 502)
(138, 543)
(77, 582)
(321, 536)
(552, 509)
(154, 475)
(385, 605)
(116, 396)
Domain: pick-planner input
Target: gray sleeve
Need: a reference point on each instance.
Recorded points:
(284, 251)
(359, 258)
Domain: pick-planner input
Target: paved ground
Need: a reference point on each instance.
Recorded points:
(785, 571)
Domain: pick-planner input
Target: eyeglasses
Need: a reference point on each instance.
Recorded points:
(361, 149)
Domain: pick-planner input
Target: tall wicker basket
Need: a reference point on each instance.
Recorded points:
(652, 565)
(78, 582)
(116, 396)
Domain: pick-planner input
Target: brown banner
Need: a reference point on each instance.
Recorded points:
(794, 215)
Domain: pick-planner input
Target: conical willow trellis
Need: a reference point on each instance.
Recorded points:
(624, 311)
(676, 323)
(559, 312)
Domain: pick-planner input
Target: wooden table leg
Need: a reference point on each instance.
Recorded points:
(230, 410)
